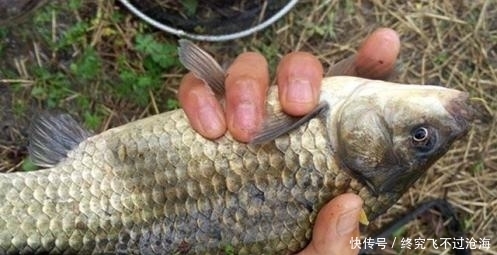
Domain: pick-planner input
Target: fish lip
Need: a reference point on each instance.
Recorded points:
(462, 113)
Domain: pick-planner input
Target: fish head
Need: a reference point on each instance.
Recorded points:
(387, 135)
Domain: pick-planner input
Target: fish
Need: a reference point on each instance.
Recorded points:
(155, 186)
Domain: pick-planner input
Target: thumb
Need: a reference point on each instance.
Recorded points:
(336, 225)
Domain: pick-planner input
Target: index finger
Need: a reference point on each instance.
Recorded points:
(201, 107)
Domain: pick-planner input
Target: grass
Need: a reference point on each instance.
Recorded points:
(96, 61)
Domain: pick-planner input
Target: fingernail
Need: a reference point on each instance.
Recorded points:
(348, 222)
(244, 116)
(211, 122)
(299, 91)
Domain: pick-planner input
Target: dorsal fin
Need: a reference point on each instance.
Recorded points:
(52, 136)
(202, 65)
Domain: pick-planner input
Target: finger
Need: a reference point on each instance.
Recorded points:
(336, 224)
(201, 107)
(299, 80)
(246, 86)
(375, 58)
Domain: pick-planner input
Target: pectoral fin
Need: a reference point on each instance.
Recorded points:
(281, 123)
(205, 67)
(202, 65)
(51, 137)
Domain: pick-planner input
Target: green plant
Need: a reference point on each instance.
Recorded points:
(190, 7)
(74, 34)
(172, 104)
(229, 250)
(3, 34)
(51, 87)
(138, 78)
(88, 66)
(28, 165)
(158, 56)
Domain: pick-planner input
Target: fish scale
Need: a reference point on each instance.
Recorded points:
(155, 186)
(197, 195)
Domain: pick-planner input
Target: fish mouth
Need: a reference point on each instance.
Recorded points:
(462, 114)
(464, 111)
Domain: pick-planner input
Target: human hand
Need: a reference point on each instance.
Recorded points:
(299, 76)
(336, 224)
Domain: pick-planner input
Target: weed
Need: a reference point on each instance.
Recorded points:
(74, 34)
(28, 165)
(92, 120)
(51, 87)
(88, 66)
(441, 58)
(350, 7)
(135, 85)
(172, 104)
(270, 51)
(19, 107)
(3, 34)
(467, 223)
(136, 82)
(478, 167)
(159, 56)
(229, 250)
(74, 4)
(190, 7)
(399, 232)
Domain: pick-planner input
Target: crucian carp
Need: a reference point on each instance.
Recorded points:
(155, 186)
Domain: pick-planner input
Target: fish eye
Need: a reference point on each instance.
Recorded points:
(420, 134)
(423, 138)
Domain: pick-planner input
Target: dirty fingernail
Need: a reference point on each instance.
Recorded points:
(348, 222)
(299, 91)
